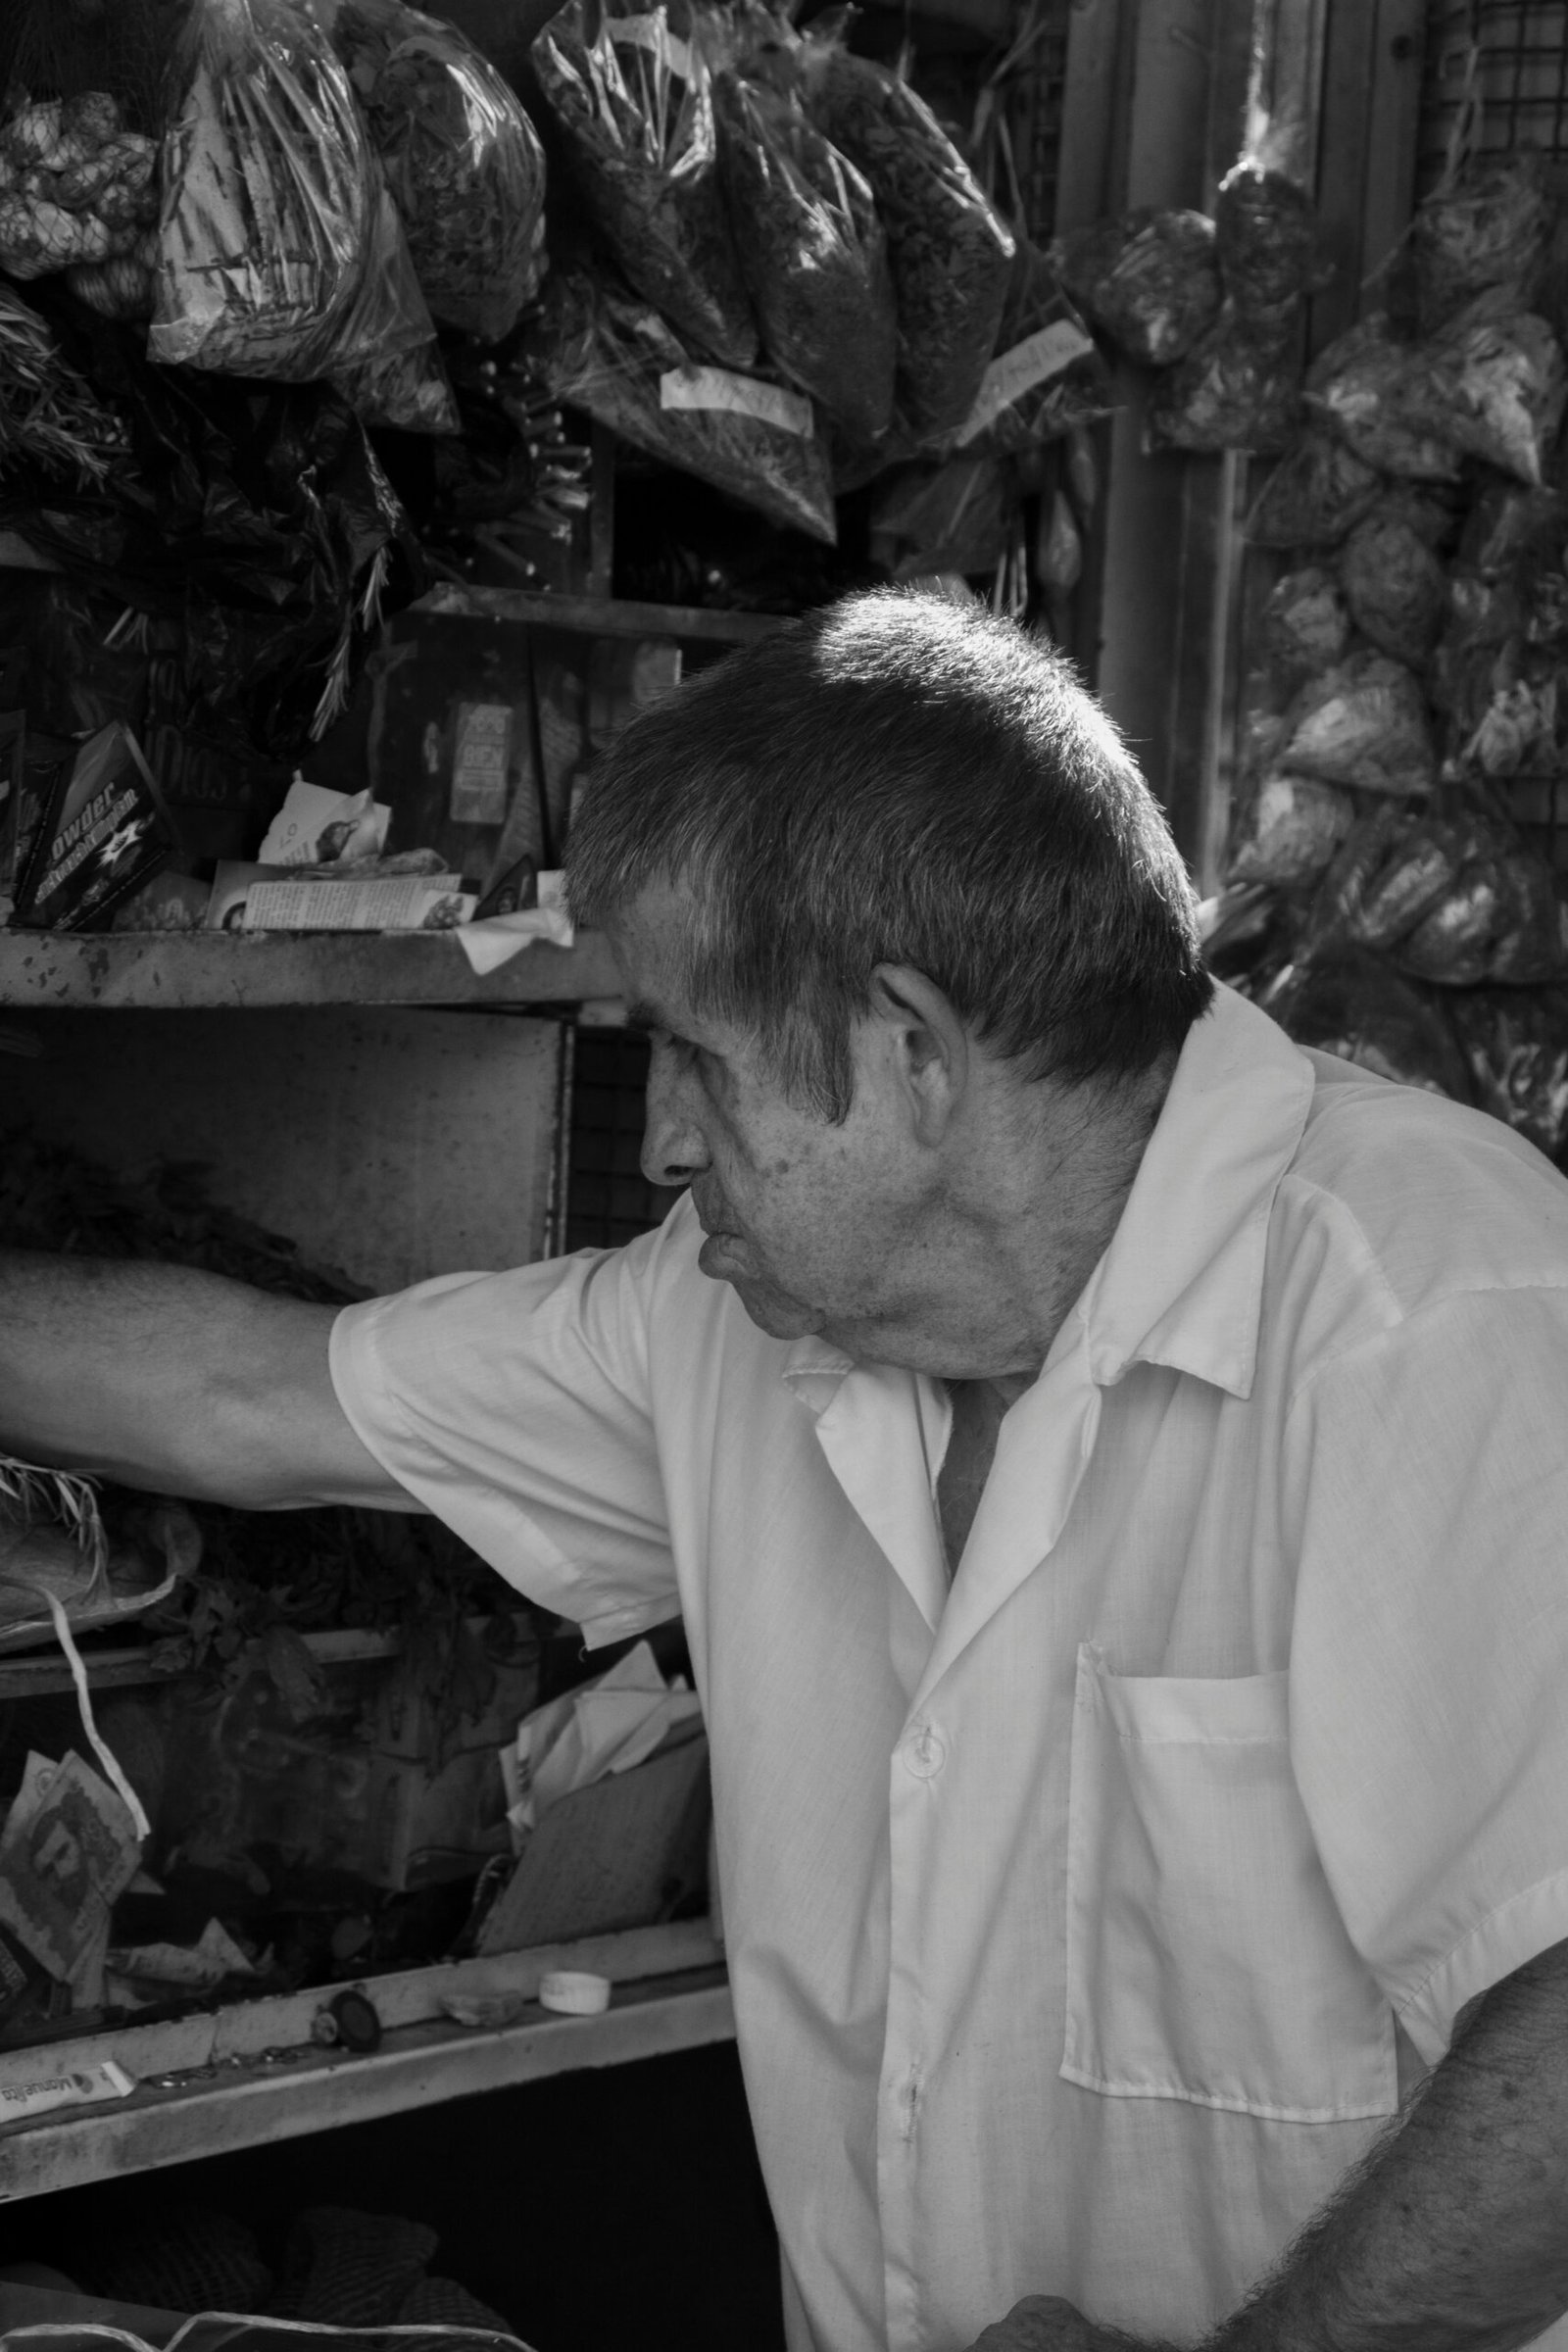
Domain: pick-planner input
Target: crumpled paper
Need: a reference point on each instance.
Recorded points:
(605, 1725)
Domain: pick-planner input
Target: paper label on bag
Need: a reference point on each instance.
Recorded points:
(653, 33)
(1034, 361)
(738, 395)
(480, 764)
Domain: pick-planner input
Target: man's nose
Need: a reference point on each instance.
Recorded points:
(673, 1148)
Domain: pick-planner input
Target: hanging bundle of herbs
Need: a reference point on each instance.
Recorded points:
(950, 253)
(635, 105)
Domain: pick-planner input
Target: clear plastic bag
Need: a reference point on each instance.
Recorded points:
(462, 159)
(1483, 227)
(1320, 491)
(1395, 588)
(1304, 624)
(1289, 831)
(950, 253)
(600, 349)
(1368, 384)
(399, 380)
(1048, 379)
(1362, 724)
(1516, 1041)
(1350, 1004)
(1239, 387)
(1148, 279)
(813, 254)
(268, 200)
(635, 106)
(1265, 234)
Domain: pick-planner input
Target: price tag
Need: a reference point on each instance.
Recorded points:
(1034, 361)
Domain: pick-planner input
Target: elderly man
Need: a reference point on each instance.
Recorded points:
(1111, 1465)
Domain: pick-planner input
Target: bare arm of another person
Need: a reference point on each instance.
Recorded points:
(175, 1379)
(1452, 2236)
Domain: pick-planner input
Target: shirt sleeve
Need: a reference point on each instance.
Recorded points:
(514, 1408)
(1429, 1668)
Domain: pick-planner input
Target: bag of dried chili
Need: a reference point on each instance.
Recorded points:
(813, 253)
(950, 253)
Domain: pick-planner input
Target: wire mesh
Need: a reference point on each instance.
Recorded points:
(609, 1200)
(1521, 78)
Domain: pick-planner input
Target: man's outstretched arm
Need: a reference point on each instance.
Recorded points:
(1452, 2236)
(179, 1381)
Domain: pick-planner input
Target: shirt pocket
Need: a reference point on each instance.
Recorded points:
(1206, 1959)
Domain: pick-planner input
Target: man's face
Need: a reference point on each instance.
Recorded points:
(812, 1223)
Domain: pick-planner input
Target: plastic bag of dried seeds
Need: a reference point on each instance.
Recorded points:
(1148, 279)
(599, 348)
(635, 106)
(813, 254)
(462, 159)
(269, 205)
(950, 253)
(1319, 490)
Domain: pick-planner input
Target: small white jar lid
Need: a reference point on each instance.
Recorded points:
(574, 1992)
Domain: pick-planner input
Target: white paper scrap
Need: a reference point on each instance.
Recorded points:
(606, 1726)
(318, 827)
(1034, 361)
(738, 395)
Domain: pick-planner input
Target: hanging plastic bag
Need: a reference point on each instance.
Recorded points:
(955, 518)
(268, 198)
(1304, 624)
(635, 106)
(1350, 1004)
(1148, 278)
(600, 349)
(399, 380)
(1048, 379)
(1319, 490)
(1362, 724)
(462, 159)
(1239, 387)
(950, 253)
(1266, 236)
(1367, 386)
(1516, 1041)
(1481, 229)
(813, 254)
(1289, 831)
(1395, 588)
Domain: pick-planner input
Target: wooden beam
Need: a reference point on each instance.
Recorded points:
(167, 972)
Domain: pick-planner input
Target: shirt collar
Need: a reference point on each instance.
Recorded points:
(1182, 1281)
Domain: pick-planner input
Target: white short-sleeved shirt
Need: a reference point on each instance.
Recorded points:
(1085, 1923)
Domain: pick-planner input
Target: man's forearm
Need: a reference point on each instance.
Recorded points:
(1452, 2236)
(149, 1374)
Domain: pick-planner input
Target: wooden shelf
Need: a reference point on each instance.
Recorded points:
(598, 616)
(180, 972)
(249, 2074)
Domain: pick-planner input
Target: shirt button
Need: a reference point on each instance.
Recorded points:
(925, 1751)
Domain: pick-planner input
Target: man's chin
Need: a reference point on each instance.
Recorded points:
(772, 1310)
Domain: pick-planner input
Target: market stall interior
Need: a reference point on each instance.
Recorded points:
(393, 403)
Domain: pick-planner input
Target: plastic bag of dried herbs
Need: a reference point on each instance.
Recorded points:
(1304, 624)
(1289, 831)
(1239, 387)
(599, 348)
(1349, 1002)
(1367, 385)
(1395, 588)
(813, 254)
(635, 106)
(1516, 1042)
(269, 203)
(950, 253)
(460, 156)
(1317, 492)
(1484, 227)
(1266, 236)
(1148, 279)
(1047, 377)
(1365, 724)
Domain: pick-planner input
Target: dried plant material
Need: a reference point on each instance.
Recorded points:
(1239, 387)
(51, 420)
(635, 106)
(462, 159)
(950, 253)
(269, 198)
(1048, 380)
(1319, 490)
(1516, 1042)
(602, 350)
(813, 254)
(1362, 724)
(1493, 386)
(1369, 387)
(1304, 624)
(1350, 1004)
(1148, 279)
(1289, 832)
(1485, 229)
(1395, 588)
(1265, 234)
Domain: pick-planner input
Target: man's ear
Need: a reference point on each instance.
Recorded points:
(930, 1043)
